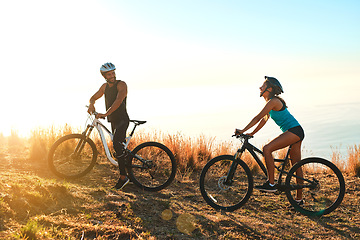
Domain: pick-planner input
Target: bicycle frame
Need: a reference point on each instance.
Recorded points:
(102, 130)
(253, 150)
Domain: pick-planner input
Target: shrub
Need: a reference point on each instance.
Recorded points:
(354, 160)
(42, 139)
(30, 230)
(191, 153)
(14, 141)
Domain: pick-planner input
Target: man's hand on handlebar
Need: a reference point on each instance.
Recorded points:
(100, 115)
(91, 109)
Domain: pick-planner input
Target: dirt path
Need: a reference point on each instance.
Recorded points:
(89, 208)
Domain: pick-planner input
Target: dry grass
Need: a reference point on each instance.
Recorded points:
(354, 160)
(192, 153)
(15, 143)
(41, 140)
(36, 205)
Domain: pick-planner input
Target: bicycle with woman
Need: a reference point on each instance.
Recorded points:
(220, 176)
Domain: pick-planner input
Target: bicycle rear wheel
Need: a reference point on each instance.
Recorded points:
(152, 166)
(220, 192)
(72, 156)
(322, 184)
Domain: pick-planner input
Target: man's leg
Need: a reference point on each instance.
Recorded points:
(119, 131)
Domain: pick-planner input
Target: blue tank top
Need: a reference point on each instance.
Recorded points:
(284, 119)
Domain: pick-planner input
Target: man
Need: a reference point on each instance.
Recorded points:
(115, 100)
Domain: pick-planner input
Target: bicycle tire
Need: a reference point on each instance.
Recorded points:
(158, 171)
(325, 186)
(66, 164)
(214, 189)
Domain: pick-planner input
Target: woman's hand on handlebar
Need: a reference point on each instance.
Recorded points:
(238, 131)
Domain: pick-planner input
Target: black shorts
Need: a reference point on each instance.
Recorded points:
(298, 131)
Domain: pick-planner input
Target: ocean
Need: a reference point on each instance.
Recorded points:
(328, 129)
(215, 113)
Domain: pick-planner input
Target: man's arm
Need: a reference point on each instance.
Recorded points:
(95, 97)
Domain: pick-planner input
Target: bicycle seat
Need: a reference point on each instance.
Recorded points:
(137, 122)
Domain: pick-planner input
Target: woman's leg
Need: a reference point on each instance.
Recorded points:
(295, 156)
(282, 141)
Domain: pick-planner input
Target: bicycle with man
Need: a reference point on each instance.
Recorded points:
(151, 165)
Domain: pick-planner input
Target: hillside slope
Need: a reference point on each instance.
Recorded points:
(37, 205)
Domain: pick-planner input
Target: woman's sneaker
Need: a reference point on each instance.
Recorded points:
(266, 187)
(299, 202)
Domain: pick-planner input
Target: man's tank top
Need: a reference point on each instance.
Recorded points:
(284, 119)
(110, 96)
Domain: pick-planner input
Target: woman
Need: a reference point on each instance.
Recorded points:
(293, 133)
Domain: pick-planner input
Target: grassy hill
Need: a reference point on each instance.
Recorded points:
(34, 204)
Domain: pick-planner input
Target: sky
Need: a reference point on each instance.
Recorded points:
(191, 66)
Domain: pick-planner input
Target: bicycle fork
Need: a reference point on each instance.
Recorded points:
(80, 146)
(231, 172)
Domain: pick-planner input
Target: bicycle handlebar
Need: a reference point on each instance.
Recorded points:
(94, 113)
(244, 136)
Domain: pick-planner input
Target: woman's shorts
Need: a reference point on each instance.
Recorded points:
(298, 131)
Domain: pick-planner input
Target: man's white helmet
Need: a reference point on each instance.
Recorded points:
(107, 67)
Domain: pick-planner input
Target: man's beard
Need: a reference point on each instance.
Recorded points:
(109, 80)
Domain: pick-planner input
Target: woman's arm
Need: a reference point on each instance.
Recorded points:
(264, 112)
(260, 125)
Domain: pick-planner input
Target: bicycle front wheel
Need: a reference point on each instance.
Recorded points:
(226, 183)
(72, 156)
(152, 166)
(319, 183)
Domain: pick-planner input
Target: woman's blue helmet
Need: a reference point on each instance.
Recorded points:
(274, 84)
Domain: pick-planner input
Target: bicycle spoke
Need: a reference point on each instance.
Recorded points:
(323, 194)
(66, 162)
(152, 166)
(223, 194)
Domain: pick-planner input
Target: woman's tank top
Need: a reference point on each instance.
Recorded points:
(284, 119)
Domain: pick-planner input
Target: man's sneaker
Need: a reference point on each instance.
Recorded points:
(266, 187)
(122, 183)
